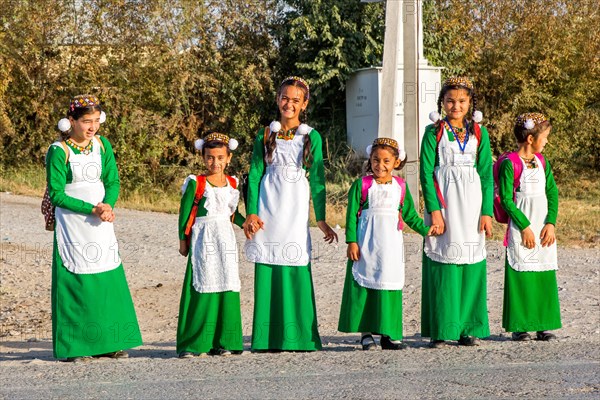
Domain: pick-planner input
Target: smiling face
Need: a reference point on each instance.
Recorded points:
(456, 104)
(538, 143)
(291, 102)
(216, 159)
(85, 127)
(383, 161)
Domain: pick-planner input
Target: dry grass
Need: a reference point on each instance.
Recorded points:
(578, 216)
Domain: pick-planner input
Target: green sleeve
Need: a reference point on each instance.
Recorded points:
(257, 169)
(352, 211)
(551, 195)
(110, 174)
(411, 217)
(317, 176)
(185, 207)
(429, 159)
(56, 178)
(238, 218)
(506, 176)
(486, 174)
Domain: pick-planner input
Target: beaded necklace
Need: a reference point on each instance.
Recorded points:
(84, 150)
(287, 135)
(529, 163)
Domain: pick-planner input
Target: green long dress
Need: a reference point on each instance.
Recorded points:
(207, 321)
(372, 310)
(454, 296)
(285, 314)
(530, 297)
(92, 314)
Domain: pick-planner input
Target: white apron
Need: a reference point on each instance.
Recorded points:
(460, 185)
(381, 263)
(283, 205)
(531, 200)
(214, 252)
(86, 244)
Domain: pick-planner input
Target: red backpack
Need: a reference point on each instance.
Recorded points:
(200, 186)
(367, 182)
(499, 212)
(438, 137)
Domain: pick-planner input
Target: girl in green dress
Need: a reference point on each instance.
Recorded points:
(92, 310)
(210, 319)
(529, 195)
(286, 170)
(378, 206)
(458, 185)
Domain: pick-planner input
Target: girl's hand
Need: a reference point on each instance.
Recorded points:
(330, 234)
(183, 247)
(108, 216)
(485, 224)
(528, 238)
(252, 224)
(432, 230)
(102, 211)
(548, 236)
(437, 221)
(353, 251)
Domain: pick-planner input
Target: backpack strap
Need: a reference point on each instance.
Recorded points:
(367, 182)
(231, 181)
(438, 137)
(200, 186)
(517, 168)
(542, 159)
(477, 131)
(66, 149)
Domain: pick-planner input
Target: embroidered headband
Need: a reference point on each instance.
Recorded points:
(216, 137)
(301, 81)
(459, 81)
(530, 120)
(383, 141)
(80, 101)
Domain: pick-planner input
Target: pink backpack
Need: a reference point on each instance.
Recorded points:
(367, 182)
(499, 212)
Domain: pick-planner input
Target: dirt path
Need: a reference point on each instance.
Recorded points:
(499, 368)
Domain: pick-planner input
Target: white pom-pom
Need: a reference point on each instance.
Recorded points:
(102, 117)
(233, 144)
(275, 126)
(402, 155)
(369, 149)
(198, 144)
(477, 116)
(64, 125)
(434, 116)
(303, 129)
(529, 124)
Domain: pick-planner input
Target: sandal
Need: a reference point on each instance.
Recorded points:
(368, 343)
(388, 344)
(521, 336)
(468, 341)
(545, 336)
(437, 344)
(114, 354)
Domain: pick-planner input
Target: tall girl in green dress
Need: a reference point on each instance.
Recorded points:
(457, 183)
(529, 195)
(92, 310)
(210, 319)
(286, 170)
(378, 206)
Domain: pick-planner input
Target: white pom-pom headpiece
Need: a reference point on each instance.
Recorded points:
(303, 129)
(529, 124)
(198, 144)
(369, 149)
(434, 116)
(64, 125)
(387, 142)
(102, 117)
(477, 116)
(216, 137)
(275, 126)
(402, 154)
(233, 144)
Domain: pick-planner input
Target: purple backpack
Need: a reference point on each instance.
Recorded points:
(367, 182)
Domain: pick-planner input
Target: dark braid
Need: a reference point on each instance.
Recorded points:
(307, 156)
(271, 144)
(474, 101)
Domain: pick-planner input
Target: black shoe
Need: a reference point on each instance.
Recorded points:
(387, 344)
(468, 341)
(368, 343)
(521, 336)
(437, 344)
(545, 336)
(79, 359)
